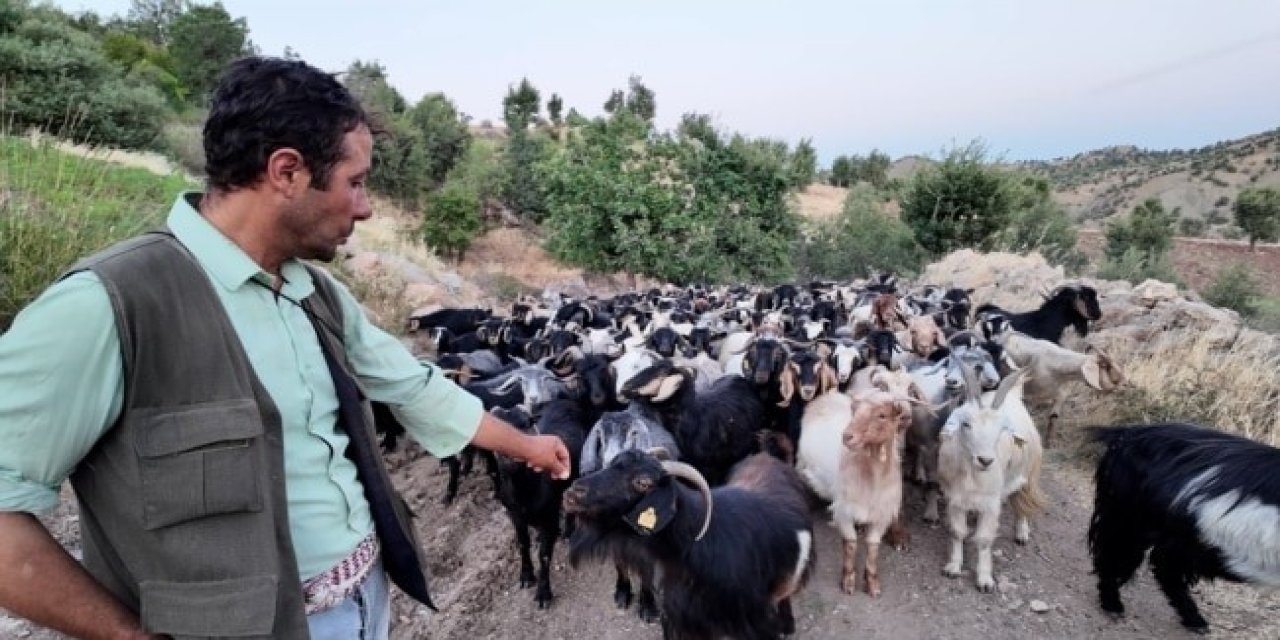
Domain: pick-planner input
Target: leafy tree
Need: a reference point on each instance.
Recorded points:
(874, 169)
(11, 15)
(401, 169)
(57, 78)
(451, 221)
(520, 106)
(555, 109)
(443, 132)
(841, 172)
(525, 150)
(959, 202)
(1149, 230)
(368, 82)
(203, 40)
(637, 99)
(154, 19)
(1257, 212)
(804, 164)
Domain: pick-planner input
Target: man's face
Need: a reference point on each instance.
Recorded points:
(321, 220)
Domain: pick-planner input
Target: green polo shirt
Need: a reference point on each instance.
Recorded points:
(61, 388)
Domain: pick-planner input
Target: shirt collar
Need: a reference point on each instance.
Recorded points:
(225, 262)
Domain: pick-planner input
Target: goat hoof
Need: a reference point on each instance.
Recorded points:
(1113, 606)
(986, 585)
(527, 581)
(951, 572)
(622, 598)
(544, 601)
(447, 500)
(1022, 540)
(848, 585)
(648, 614)
(1196, 623)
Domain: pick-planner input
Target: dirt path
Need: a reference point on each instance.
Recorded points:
(475, 569)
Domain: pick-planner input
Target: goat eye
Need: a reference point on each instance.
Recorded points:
(966, 425)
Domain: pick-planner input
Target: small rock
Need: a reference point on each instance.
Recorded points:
(1039, 606)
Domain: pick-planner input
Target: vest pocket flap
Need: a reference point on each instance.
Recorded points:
(223, 608)
(224, 423)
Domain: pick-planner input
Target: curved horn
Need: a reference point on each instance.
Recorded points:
(683, 470)
(1006, 386)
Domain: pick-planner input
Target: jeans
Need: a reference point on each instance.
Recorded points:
(366, 615)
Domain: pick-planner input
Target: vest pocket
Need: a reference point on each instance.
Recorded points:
(216, 609)
(200, 460)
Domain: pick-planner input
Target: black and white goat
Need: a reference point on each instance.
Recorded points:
(1068, 305)
(1206, 503)
(731, 558)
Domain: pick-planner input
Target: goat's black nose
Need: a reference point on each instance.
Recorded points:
(985, 462)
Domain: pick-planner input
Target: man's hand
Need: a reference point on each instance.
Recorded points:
(547, 454)
(543, 453)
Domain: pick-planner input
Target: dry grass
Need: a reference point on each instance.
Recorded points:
(1184, 377)
(821, 201)
(518, 254)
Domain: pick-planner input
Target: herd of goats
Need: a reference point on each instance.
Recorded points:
(707, 424)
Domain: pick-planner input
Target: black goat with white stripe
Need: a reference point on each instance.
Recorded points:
(1206, 503)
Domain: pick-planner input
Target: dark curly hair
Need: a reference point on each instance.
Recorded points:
(262, 104)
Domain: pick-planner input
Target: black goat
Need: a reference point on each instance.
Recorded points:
(533, 499)
(715, 429)
(881, 345)
(663, 341)
(1205, 502)
(956, 305)
(459, 321)
(1069, 305)
(731, 558)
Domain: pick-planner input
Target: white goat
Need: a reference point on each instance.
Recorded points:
(1052, 367)
(989, 453)
(821, 429)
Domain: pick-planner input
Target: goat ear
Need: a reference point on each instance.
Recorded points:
(1092, 371)
(668, 387)
(787, 386)
(654, 511)
(826, 378)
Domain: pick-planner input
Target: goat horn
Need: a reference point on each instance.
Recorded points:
(683, 470)
(972, 391)
(1006, 386)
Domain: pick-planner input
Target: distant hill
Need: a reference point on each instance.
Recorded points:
(1203, 182)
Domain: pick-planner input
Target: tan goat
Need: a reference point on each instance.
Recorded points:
(869, 494)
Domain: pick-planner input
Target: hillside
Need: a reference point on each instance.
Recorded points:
(1201, 182)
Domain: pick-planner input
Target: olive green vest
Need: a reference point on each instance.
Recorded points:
(183, 509)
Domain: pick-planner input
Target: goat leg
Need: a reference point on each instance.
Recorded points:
(932, 495)
(547, 536)
(959, 519)
(848, 575)
(622, 587)
(526, 563)
(451, 489)
(1175, 577)
(647, 607)
(897, 535)
(983, 537)
(871, 572)
(786, 618)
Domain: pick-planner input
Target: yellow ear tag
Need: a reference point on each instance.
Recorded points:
(647, 519)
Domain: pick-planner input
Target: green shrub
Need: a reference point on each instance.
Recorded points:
(1194, 227)
(451, 221)
(861, 239)
(1135, 265)
(959, 202)
(1234, 288)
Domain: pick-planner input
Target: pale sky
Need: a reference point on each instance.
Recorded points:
(1035, 79)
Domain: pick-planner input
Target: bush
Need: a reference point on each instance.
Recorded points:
(1136, 265)
(959, 202)
(860, 240)
(1257, 212)
(1194, 227)
(1040, 224)
(1235, 288)
(451, 221)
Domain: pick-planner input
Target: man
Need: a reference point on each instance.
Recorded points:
(202, 388)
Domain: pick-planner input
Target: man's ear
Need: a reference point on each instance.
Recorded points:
(286, 172)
